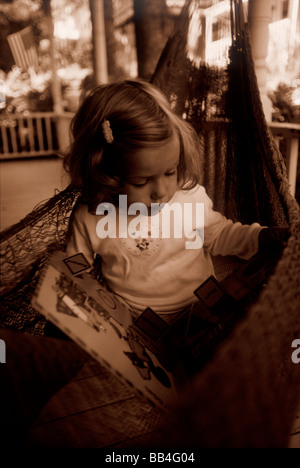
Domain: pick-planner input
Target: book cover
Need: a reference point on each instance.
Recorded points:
(101, 323)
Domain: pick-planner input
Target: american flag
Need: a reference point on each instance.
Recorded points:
(23, 48)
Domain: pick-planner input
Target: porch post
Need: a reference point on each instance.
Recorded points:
(259, 17)
(99, 41)
(63, 124)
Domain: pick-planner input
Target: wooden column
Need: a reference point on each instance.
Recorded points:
(259, 17)
(99, 41)
(63, 124)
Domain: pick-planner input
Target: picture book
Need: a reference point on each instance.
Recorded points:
(101, 323)
(154, 357)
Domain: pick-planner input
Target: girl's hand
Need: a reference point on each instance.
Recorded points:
(274, 238)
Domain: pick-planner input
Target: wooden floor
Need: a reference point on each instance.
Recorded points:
(71, 416)
(295, 437)
(96, 410)
(26, 182)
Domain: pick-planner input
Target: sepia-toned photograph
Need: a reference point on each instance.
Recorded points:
(149, 226)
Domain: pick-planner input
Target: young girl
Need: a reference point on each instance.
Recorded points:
(127, 141)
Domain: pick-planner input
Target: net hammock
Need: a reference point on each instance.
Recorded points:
(248, 393)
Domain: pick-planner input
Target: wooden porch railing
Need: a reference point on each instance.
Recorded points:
(35, 134)
(287, 137)
(46, 133)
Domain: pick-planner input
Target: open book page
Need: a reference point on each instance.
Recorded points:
(99, 322)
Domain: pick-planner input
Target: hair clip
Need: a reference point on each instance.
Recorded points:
(107, 131)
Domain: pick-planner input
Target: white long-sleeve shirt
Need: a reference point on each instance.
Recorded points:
(162, 273)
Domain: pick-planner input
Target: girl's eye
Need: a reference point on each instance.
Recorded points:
(169, 174)
(140, 185)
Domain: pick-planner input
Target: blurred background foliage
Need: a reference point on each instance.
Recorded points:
(136, 32)
(127, 23)
(286, 100)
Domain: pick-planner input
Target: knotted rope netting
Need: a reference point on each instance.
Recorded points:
(24, 248)
(248, 393)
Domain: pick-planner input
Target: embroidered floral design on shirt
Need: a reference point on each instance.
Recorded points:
(142, 243)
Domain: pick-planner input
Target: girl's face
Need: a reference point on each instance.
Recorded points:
(150, 174)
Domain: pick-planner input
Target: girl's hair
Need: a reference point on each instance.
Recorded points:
(139, 116)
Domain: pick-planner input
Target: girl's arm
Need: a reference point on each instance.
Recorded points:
(80, 239)
(224, 237)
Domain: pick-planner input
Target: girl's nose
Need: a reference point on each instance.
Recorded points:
(159, 191)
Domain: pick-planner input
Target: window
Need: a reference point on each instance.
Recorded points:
(285, 8)
(221, 27)
(216, 31)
